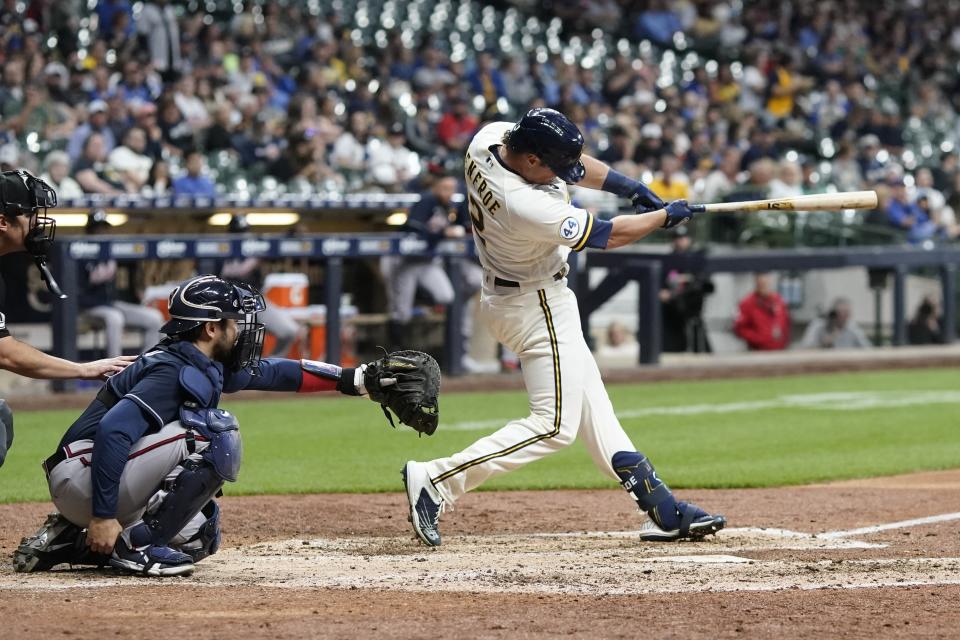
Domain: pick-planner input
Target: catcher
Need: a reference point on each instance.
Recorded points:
(135, 477)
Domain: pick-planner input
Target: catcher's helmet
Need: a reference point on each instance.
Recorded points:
(210, 299)
(549, 135)
(23, 194)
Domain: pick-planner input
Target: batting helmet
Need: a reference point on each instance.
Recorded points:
(210, 299)
(549, 135)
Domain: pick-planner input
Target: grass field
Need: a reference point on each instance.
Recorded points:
(736, 433)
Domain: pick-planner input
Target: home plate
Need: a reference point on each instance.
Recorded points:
(714, 559)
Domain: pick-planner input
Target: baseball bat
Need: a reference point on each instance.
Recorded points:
(814, 202)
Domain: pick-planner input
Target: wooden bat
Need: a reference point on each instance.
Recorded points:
(814, 202)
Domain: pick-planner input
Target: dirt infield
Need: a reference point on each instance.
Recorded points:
(853, 559)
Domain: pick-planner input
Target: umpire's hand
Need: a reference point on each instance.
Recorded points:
(102, 534)
(103, 369)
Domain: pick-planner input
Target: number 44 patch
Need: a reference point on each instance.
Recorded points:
(569, 229)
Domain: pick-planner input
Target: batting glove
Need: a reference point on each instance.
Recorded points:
(644, 199)
(679, 212)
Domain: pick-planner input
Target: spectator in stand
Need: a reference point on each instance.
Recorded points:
(392, 164)
(56, 173)
(789, 182)
(192, 107)
(178, 135)
(421, 132)
(925, 327)
(158, 183)
(763, 144)
(486, 80)
(785, 84)
(93, 173)
(723, 180)
(835, 331)
(129, 162)
(96, 123)
(194, 182)
(763, 321)
(457, 126)
(350, 150)
(908, 216)
(670, 183)
(159, 26)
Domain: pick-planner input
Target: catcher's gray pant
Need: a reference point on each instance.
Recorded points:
(118, 315)
(6, 430)
(153, 459)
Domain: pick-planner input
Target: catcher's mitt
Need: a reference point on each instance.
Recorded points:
(408, 382)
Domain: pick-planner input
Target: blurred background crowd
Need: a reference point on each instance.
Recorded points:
(707, 99)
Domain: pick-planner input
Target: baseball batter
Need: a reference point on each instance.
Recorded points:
(524, 229)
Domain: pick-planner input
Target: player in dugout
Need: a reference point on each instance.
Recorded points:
(25, 226)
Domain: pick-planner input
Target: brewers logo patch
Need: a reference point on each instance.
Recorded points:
(3, 322)
(569, 229)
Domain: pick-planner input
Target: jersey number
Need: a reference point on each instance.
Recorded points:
(476, 214)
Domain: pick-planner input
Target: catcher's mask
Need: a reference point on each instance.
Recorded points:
(210, 299)
(23, 194)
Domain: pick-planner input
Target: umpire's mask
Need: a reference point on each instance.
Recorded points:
(23, 194)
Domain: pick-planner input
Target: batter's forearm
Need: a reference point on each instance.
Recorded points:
(596, 174)
(628, 229)
(24, 360)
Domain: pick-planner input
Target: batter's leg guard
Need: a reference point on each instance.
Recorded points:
(6, 430)
(669, 519)
(640, 479)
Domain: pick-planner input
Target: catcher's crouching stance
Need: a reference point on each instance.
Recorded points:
(135, 477)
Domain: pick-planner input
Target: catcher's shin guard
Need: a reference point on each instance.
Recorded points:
(640, 479)
(206, 539)
(196, 485)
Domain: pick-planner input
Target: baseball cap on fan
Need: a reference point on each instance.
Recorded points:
(97, 106)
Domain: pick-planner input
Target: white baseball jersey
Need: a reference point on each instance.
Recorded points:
(524, 232)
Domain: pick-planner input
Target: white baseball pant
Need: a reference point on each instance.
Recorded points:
(563, 382)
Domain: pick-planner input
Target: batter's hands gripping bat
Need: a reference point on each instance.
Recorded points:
(815, 202)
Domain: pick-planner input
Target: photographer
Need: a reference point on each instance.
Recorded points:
(681, 298)
(24, 227)
(835, 330)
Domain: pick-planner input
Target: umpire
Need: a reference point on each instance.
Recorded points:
(24, 227)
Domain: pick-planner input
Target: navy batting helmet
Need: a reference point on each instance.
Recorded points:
(210, 299)
(549, 135)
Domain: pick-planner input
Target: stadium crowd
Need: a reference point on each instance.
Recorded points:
(707, 99)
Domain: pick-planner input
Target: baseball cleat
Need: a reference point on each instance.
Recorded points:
(58, 541)
(695, 524)
(151, 561)
(425, 503)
